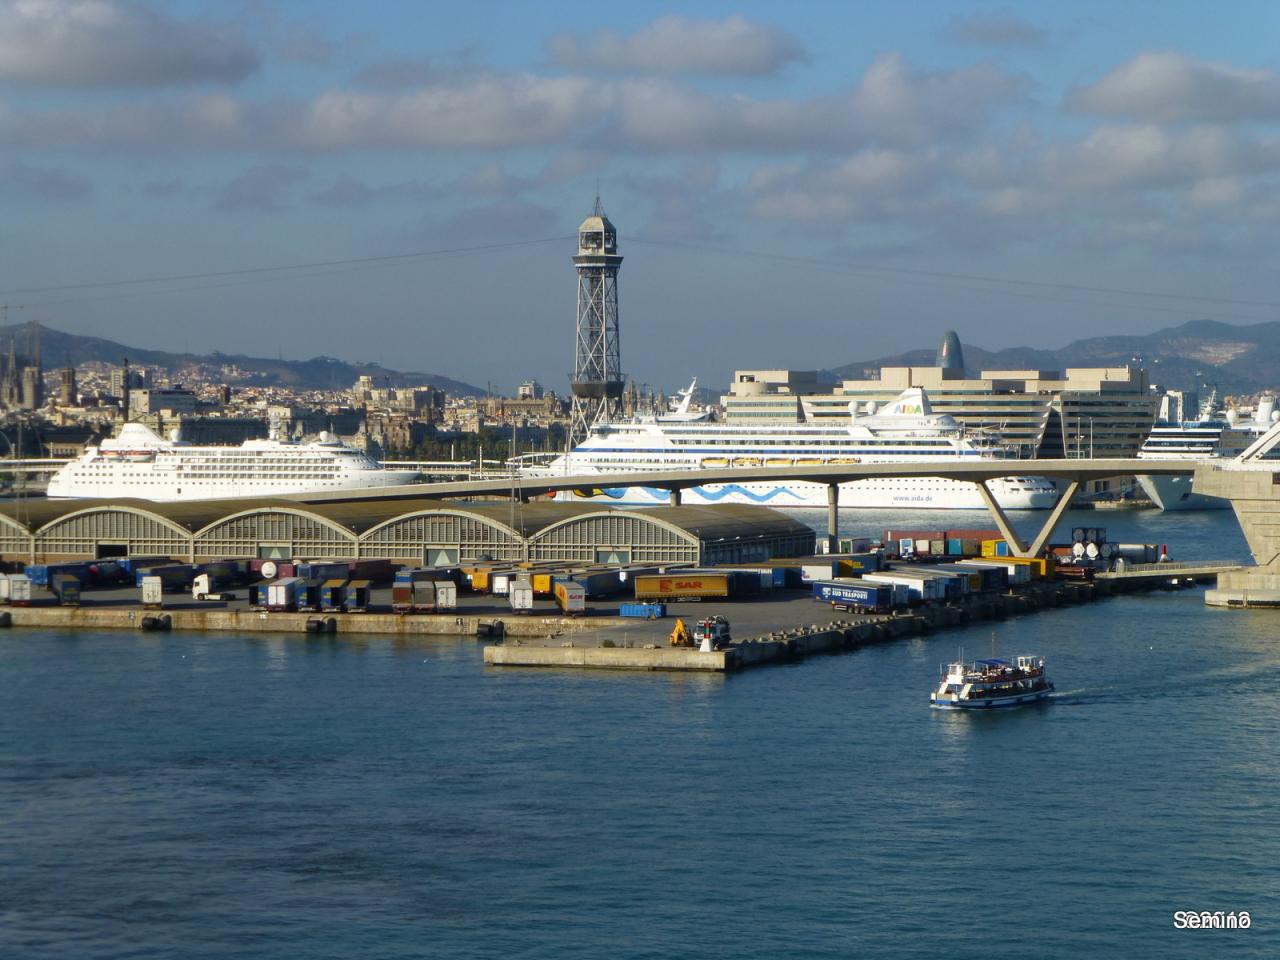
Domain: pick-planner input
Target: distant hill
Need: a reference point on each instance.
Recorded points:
(1236, 359)
(318, 373)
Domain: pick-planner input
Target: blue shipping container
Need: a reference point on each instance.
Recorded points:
(643, 611)
(866, 595)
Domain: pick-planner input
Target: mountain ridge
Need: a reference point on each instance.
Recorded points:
(1235, 359)
(59, 348)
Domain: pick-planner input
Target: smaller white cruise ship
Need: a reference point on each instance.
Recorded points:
(1208, 437)
(905, 431)
(145, 466)
(986, 684)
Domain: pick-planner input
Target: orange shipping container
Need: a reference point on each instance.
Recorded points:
(697, 585)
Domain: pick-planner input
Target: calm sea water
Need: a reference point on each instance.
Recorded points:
(193, 795)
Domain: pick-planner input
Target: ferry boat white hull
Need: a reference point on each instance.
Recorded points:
(906, 493)
(1175, 493)
(993, 703)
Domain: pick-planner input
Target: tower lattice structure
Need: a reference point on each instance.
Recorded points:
(597, 382)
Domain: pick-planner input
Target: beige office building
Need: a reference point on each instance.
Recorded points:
(1087, 412)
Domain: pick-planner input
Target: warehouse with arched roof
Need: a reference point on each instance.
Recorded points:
(430, 532)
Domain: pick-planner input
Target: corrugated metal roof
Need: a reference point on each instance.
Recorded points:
(716, 522)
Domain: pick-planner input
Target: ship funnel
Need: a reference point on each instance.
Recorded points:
(1266, 407)
(912, 402)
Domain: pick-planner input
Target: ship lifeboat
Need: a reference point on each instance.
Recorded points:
(746, 461)
(779, 462)
(712, 462)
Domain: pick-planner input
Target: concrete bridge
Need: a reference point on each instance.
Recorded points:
(1072, 472)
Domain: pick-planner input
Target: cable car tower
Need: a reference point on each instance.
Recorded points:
(597, 382)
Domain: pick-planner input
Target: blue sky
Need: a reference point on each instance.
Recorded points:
(794, 185)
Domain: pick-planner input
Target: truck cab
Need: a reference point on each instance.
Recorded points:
(712, 633)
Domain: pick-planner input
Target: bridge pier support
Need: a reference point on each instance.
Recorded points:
(833, 517)
(1016, 546)
(673, 500)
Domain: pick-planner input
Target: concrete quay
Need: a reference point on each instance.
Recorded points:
(605, 651)
(771, 630)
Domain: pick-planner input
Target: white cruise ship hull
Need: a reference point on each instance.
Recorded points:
(141, 465)
(1175, 493)
(904, 493)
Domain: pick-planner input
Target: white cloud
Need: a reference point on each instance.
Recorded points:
(891, 103)
(676, 44)
(115, 43)
(1169, 87)
(488, 111)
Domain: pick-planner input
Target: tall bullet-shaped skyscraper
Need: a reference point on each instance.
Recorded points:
(597, 367)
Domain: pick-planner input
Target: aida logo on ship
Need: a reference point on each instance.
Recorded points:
(908, 408)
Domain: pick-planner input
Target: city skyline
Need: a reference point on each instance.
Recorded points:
(792, 188)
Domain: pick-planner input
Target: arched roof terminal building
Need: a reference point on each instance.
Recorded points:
(413, 532)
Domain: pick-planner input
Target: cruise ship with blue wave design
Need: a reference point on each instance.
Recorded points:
(905, 431)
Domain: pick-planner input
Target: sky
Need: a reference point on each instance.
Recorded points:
(794, 185)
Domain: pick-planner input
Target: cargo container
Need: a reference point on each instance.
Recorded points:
(857, 563)
(333, 595)
(411, 575)
(995, 548)
(970, 580)
(177, 577)
(131, 565)
(1040, 567)
(500, 581)
(684, 586)
(920, 588)
(258, 594)
(602, 583)
(274, 569)
(357, 596)
(309, 595)
(321, 570)
(282, 594)
(540, 580)
(19, 590)
(152, 593)
(571, 598)
(374, 571)
(42, 574)
(1014, 572)
(66, 587)
(107, 573)
(854, 544)
(402, 597)
(855, 595)
(996, 576)
(477, 578)
(4, 587)
(424, 596)
(446, 595)
(914, 535)
(520, 596)
(643, 611)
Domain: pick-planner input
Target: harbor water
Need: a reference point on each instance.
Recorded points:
(207, 795)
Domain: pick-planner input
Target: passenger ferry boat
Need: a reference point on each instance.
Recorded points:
(986, 684)
(140, 464)
(906, 431)
(1208, 437)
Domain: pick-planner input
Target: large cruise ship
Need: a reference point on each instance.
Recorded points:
(1208, 437)
(140, 464)
(906, 431)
